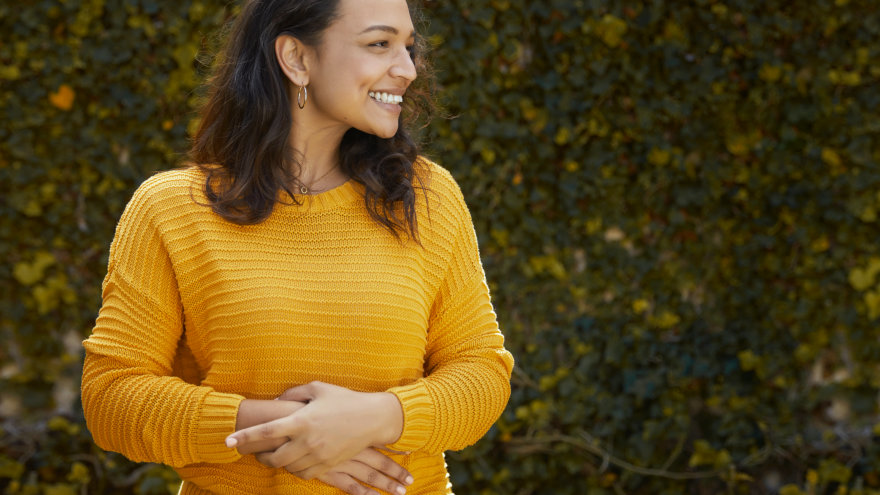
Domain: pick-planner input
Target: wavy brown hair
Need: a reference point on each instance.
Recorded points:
(243, 140)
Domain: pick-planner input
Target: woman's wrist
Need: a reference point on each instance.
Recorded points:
(390, 422)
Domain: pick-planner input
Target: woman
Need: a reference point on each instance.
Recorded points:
(309, 256)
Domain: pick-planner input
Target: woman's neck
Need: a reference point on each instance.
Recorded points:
(317, 152)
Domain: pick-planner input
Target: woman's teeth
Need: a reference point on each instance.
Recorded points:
(385, 97)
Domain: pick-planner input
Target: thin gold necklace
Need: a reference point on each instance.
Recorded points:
(303, 189)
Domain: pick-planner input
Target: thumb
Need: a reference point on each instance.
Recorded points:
(302, 393)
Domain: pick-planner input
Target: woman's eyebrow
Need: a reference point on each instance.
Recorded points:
(387, 29)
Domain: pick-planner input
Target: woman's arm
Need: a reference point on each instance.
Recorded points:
(132, 403)
(467, 369)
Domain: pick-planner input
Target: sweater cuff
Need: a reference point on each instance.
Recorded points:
(418, 417)
(218, 416)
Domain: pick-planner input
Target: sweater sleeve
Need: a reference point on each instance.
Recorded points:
(132, 402)
(467, 369)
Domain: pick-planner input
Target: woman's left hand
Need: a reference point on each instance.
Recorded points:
(334, 426)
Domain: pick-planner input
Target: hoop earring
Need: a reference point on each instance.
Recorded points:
(302, 96)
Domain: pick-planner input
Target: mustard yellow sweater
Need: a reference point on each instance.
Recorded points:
(199, 313)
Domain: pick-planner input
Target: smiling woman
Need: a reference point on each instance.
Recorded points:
(283, 315)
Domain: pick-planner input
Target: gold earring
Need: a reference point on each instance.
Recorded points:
(302, 96)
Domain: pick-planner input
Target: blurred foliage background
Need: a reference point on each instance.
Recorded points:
(676, 202)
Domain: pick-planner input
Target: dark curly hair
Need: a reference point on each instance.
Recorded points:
(243, 140)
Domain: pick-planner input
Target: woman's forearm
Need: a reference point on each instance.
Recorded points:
(255, 412)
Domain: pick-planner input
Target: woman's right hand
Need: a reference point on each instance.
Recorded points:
(374, 469)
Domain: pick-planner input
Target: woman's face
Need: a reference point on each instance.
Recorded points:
(363, 67)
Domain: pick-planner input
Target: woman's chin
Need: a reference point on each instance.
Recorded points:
(384, 132)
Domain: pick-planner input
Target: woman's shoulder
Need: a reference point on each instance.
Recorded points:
(441, 202)
(438, 182)
(169, 191)
(171, 181)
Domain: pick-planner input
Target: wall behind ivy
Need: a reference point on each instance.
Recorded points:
(676, 203)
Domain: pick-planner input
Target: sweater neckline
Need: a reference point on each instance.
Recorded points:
(345, 193)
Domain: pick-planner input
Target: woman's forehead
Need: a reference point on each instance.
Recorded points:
(359, 16)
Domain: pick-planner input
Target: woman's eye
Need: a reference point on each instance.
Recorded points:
(381, 44)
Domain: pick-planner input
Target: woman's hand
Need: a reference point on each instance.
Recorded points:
(372, 468)
(334, 426)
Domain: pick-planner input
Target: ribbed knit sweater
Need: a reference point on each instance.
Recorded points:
(200, 313)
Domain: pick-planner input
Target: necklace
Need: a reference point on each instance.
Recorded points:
(304, 189)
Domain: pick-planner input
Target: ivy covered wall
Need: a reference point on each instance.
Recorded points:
(677, 206)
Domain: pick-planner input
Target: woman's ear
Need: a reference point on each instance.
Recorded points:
(292, 57)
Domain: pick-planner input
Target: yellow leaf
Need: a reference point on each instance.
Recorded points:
(834, 76)
(738, 144)
(79, 473)
(658, 157)
(790, 489)
(873, 266)
(547, 383)
(830, 157)
(860, 279)
(63, 98)
(640, 306)
(59, 489)
(863, 55)
(703, 454)
(850, 78)
(31, 273)
(674, 32)
(593, 225)
(562, 135)
(872, 300)
(517, 179)
(666, 319)
(9, 72)
(770, 73)
(488, 155)
(748, 361)
(821, 244)
(611, 30)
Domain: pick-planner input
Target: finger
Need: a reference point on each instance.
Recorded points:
(384, 464)
(371, 476)
(314, 471)
(308, 467)
(346, 483)
(302, 393)
(287, 426)
(286, 455)
(257, 447)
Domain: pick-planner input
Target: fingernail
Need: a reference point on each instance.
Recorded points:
(231, 442)
(409, 480)
(401, 490)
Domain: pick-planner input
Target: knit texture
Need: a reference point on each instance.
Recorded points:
(199, 313)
